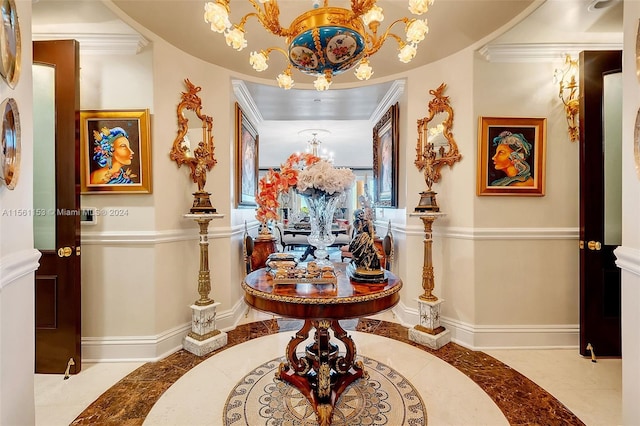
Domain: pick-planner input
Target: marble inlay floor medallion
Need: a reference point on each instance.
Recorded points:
(385, 398)
(182, 385)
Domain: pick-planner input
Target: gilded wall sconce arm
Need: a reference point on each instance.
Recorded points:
(568, 93)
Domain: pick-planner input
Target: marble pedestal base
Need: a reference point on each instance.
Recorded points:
(433, 341)
(203, 347)
(204, 337)
(429, 332)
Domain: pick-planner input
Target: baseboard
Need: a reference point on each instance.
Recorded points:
(485, 337)
(154, 348)
(150, 348)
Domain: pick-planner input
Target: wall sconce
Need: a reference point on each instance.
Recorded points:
(194, 125)
(435, 147)
(567, 80)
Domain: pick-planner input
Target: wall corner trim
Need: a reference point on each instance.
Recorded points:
(17, 265)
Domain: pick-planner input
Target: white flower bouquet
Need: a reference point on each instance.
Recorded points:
(322, 176)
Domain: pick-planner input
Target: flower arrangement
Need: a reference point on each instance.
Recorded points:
(305, 172)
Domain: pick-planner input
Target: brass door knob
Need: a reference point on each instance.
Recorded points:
(594, 245)
(65, 251)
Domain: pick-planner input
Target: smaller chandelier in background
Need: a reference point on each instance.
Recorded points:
(566, 78)
(323, 41)
(314, 144)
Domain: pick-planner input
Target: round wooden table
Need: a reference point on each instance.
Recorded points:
(321, 373)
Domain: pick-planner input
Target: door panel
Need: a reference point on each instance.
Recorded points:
(600, 174)
(56, 189)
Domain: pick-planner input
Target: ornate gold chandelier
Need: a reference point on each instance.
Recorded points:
(323, 41)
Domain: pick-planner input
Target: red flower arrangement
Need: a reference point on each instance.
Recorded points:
(274, 183)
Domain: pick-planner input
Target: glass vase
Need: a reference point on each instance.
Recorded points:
(321, 208)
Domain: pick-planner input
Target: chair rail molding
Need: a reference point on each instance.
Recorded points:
(156, 237)
(469, 233)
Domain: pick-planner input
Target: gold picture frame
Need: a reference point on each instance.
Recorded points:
(115, 151)
(511, 156)
(247, 142)
(386, 137)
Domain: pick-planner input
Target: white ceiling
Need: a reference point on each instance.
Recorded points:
(498, 25)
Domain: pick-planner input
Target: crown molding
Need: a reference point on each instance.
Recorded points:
(246, 102)
(544, 52)
(100, 44)
(393, 94)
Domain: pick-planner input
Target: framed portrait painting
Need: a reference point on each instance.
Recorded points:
(115, 152)
(511, 156)
(385, 159)
(247, 160)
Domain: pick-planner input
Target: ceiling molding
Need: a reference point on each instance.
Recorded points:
(393, 94)
(246, 102)
(100, 44)
(544, 52)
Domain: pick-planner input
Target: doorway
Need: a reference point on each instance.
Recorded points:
(600, 201)
(56, 194)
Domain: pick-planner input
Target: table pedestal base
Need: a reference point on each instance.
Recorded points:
(322, 374)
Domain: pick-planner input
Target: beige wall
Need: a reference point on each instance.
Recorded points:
(18, 259)
(472, 273)
(628, 255)
(526, 264)
(152, 254)
(489, 252)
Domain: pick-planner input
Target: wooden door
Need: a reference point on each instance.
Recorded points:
(56, 203)
(600, 202)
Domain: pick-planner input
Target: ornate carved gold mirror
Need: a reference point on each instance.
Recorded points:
(436, 146)
(194, 145)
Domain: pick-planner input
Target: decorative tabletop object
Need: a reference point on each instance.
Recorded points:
(365, 266)
(316, 180)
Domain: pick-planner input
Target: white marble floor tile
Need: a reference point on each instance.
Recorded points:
(59, 401)
(592, 391)
(194, 398)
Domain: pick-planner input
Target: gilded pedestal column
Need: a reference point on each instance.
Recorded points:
(429, 331)
(204, 337)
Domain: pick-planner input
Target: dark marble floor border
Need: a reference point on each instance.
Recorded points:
(521, 401)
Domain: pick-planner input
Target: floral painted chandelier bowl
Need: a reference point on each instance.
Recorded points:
(323, 46)
(324, 41)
